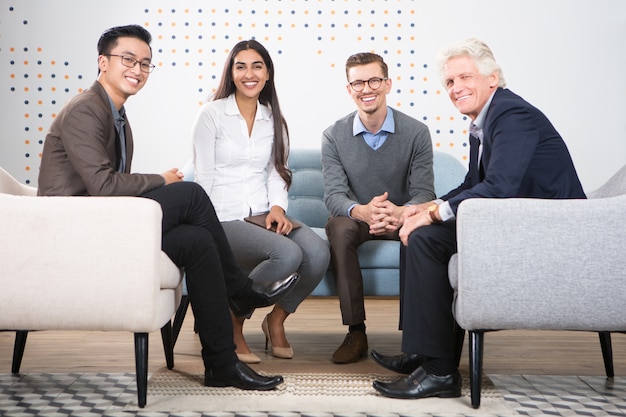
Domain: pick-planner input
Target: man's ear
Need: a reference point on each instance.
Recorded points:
(103, 62)
(494, 80)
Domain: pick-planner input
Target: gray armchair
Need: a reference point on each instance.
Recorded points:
(541, 264)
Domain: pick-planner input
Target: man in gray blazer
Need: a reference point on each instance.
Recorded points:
(88, 152)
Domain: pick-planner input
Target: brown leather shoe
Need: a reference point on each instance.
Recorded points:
(353, 348)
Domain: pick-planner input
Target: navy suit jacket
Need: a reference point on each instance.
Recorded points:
(523, 156)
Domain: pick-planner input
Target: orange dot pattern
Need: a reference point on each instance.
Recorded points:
(308, 41)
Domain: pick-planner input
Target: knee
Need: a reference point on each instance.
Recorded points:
(341, 229)
(429, 241)
(199, 240)
(290, 253)
(187, 244)
(317, 255)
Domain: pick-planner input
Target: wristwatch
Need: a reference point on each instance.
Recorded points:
(432, 210)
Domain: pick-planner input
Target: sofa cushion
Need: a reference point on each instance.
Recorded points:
(380, 259)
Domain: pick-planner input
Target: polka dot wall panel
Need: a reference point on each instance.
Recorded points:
(48, 54)
(308, 40)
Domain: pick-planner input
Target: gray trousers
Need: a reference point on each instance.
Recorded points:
(268, 256)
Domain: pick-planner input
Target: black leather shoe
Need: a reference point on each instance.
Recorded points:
(241, 376)
(402, 364)
(419, 384)
(262, 294)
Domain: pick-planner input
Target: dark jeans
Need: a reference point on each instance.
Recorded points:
(193, 239)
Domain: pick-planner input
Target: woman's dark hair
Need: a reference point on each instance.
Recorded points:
(267, 97)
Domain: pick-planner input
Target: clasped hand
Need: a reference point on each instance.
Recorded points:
(413, 217)
(173, 175)
(380, 214)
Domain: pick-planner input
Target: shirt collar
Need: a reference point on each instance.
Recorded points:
(118, 116)
(480, 119)
(262, 112)
(389, 125)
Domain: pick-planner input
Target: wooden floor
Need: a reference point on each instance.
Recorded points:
(315, 331)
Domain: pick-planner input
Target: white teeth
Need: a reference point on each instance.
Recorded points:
(132, 80)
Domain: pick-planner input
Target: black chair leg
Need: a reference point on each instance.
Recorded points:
(476, 339)
(18, 350)
(141, 367)
(459, 338)
(607, 353)
(168, 344)
(179, 318)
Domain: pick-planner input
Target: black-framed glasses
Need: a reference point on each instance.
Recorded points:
(374, 83)
(130, 62)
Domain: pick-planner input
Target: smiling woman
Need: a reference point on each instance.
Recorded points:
(241, 144)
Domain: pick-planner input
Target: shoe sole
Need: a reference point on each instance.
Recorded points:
(220, 384)
(361, 356)
(440, 394)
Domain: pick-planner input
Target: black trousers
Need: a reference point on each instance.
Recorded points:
(427, 320)
(193, 239)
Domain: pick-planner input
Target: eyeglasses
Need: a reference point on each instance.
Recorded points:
(130, 62)
(373, 82)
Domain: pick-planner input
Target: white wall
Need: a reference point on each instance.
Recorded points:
(564, 56)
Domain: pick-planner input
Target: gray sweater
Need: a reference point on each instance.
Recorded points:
(355, 173)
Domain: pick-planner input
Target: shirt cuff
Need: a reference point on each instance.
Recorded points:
(445, 212)
(349, 210)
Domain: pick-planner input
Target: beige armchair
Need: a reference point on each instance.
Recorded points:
(543, 265)
(85, 263)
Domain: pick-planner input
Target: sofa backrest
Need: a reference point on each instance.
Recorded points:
(306, 195)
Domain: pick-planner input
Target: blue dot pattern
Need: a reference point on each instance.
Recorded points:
(308, 40)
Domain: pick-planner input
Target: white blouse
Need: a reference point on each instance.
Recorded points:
(234, 168)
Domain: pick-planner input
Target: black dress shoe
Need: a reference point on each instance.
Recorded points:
(241, 376)
(262, 294)
(419, 384)
(402, 364)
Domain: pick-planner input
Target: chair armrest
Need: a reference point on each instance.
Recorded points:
(549, 264)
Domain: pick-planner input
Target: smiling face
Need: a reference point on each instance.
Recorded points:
(467, 88)
(119, 81)
(249, 74)
(369, 101)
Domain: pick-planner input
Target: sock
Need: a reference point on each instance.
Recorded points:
(357, 328)
(439, 366)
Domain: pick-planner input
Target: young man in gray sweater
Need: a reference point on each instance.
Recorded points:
(375, 162)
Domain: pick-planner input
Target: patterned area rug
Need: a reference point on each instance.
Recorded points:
(310, 392)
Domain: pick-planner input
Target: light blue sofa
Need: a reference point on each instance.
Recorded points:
(380, 259)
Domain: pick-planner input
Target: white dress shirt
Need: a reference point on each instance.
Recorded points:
(234, 168)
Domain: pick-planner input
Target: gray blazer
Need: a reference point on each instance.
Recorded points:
(81, 152)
